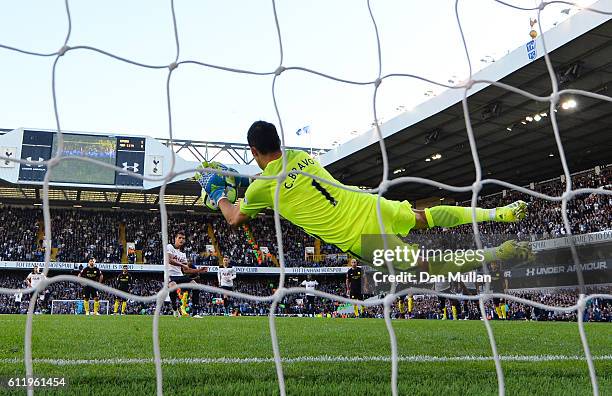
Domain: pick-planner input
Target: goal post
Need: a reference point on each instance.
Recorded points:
(77, 307)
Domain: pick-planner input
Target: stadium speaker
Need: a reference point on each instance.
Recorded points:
(432, 136)
(492, 110)
(569, 73)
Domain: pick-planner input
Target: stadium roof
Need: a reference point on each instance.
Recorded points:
(181, 194)
(180, 197)
(582, 54)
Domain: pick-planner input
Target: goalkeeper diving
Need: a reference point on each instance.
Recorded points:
(339, 216)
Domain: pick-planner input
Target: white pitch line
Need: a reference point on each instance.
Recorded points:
(307, 359)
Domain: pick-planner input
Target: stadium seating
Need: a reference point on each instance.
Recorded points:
(79, 233)
(425, 307)
(18, 234)
(586, 213)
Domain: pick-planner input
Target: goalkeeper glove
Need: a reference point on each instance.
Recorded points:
(214, 185)
(230, 193)
(235, 181)
(228, 183)
(514, 251)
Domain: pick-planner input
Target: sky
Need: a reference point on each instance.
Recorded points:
(100, 94)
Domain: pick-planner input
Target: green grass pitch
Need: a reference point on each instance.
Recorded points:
(118, 350)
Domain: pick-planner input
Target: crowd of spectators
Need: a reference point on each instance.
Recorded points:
(424, 306)
(144, 285)
(78, 234)
(586, 212)
(19, 235)
(233, 242)
(294, 239)
(597, 309)
(144, 229)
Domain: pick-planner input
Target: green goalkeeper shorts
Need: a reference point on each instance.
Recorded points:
(398, 219)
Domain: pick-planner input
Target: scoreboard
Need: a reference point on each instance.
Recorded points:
(142, 155)
(126, 152)
(131, 143)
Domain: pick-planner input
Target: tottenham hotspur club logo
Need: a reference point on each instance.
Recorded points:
(8, 155)
(132, 168)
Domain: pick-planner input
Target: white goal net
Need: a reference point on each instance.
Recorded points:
(173, 66)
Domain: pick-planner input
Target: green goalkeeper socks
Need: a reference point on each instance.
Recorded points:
(452, 216)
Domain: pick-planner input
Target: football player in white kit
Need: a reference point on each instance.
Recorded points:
(33, 280)
(35, 277)
(225, 277)
(178, 268)
(310, 286)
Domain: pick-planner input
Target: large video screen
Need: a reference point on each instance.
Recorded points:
(100, 148)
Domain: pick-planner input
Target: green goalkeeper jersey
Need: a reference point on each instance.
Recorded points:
(327, 212)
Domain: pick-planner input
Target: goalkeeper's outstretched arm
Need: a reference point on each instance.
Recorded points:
(214, 185)
(232, 213)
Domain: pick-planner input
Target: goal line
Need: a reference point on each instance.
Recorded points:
(309, 359)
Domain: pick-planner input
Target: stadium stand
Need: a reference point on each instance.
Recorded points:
(587, 213)
(80, 233)
(599, 310)
(18, 234)
(144, 229)
(425, 307)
